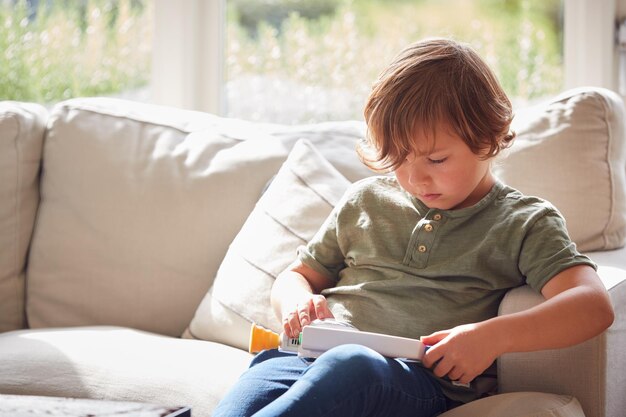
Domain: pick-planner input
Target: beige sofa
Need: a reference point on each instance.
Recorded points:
(125, 226)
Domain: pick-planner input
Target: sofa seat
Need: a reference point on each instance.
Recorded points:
(117, 363)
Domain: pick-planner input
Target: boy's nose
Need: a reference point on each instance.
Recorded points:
(418, 178)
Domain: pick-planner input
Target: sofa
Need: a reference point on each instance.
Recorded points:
(138, 243)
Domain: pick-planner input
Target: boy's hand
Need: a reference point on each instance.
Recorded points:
(461, 353)
(309, 308)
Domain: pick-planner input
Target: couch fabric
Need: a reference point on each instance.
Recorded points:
(300, 196)
(21, 132)
(585, 370)
(125, 225)
(120, 364)
(148, 205)
(571, 152)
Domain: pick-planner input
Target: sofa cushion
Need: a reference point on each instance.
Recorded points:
(520, 404)
(118, 364)
(139, 204)
(128, 365)
(21, 136)
(290, 212)
(572, 152)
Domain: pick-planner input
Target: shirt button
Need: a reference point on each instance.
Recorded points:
(428, 227)
(437, 217)
(421, 248)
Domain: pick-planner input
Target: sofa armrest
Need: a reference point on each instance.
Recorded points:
(22, 128)
(593, 371)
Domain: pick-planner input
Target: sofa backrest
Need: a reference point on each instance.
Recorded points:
(21, 136)
(139, 204)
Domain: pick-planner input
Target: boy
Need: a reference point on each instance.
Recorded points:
(428, 252)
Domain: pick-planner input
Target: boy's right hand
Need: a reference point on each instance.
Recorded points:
(303, 312)
(296, 297)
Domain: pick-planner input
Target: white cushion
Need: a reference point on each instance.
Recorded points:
(21, 137)
(572, 152)
(139, 204)
(520, 404)
(118, 364)
(290, 212)
(130, 224)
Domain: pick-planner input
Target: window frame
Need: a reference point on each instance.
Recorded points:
(589, 37)
(187, 54)
(189, 36)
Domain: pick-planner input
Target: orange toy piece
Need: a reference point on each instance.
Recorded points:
(262, 339)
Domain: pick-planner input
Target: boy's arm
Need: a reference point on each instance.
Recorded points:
(296, 297)
(577, 308)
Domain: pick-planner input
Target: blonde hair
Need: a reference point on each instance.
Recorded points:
(430, 83)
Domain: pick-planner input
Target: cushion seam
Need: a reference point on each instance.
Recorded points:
(311, 188)
(223, 304)
(284, 226)
(609, 154)
(254, 265)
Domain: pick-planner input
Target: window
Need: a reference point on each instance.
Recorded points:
(296, 61)
(53, 50)
(290, 61)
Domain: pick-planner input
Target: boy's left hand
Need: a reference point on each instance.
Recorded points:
(461, 353)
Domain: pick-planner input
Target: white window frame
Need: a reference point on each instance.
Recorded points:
(188, 60)
(589, 48)
(187, 54)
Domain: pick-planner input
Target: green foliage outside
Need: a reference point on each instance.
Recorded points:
(70, 49)
(102, 47)
(346, 49)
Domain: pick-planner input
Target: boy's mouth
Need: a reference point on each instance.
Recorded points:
(429, 197)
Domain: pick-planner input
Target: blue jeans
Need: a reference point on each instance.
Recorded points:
(348, 380)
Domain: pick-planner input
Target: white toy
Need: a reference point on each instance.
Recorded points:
(322, 335)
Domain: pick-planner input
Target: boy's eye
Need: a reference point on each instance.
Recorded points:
(437, 161)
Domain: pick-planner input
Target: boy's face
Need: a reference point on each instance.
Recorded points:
(444, 173)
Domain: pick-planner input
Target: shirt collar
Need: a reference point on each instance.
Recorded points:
(467, 211)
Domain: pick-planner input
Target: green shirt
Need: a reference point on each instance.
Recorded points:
(401, 268)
